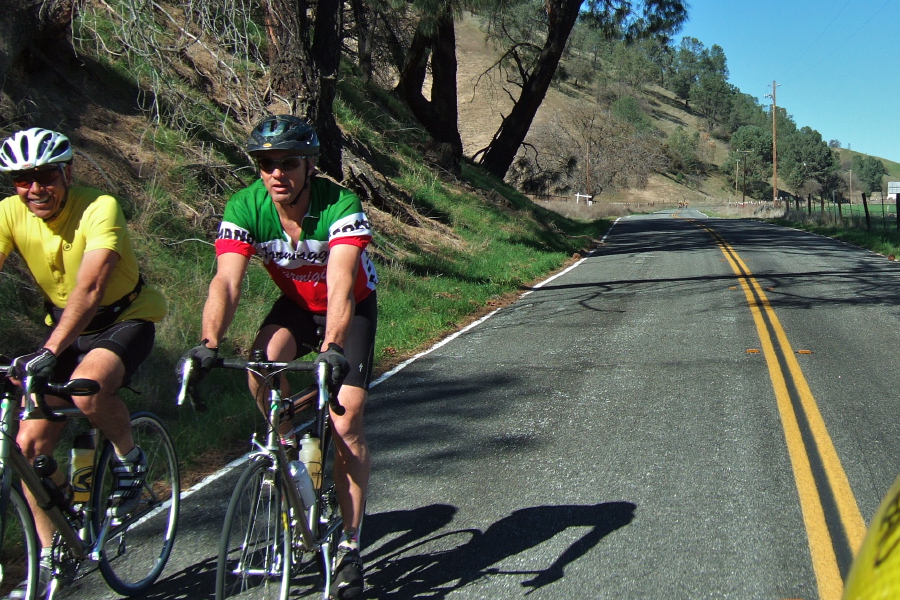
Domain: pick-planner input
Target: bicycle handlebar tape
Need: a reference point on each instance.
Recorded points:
(876, 570)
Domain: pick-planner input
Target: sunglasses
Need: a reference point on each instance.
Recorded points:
(25, 179)
(288, 163)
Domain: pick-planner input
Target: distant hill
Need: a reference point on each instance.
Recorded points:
(482, 102)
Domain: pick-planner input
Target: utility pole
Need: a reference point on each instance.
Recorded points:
(588, 190)
(774, 142)
(744, 174)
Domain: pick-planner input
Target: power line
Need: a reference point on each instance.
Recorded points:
(774, 142)
(821, 33)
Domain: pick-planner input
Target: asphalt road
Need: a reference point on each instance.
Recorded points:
(681, 415)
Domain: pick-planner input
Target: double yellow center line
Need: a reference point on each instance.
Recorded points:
(834, 525)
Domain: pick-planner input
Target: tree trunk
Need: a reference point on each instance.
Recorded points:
(440, 115)
(303, 73)
(502, 150)
(365, 32)
(291, 72)
(326, 54)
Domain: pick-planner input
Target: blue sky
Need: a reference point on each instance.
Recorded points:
(837, 62)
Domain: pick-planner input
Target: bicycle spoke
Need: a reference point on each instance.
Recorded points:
(255, 549)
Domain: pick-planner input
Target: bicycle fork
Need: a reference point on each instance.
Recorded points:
(294, 498)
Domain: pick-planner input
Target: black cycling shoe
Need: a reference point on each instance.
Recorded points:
(348, 576)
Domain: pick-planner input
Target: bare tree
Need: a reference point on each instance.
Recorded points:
(587, 150)
(535, 65)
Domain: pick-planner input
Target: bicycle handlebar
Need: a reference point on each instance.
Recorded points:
(189, 370)
(35, 387)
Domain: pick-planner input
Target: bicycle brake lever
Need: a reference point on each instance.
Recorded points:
(187, 374)
(323, 374)
(30, 383)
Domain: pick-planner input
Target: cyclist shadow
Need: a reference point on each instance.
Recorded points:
(193, 583)
(425, 563)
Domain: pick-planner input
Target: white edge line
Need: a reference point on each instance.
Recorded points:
(217, 475)
(385, 376)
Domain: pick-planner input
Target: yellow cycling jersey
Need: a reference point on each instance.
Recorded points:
(53, 251)
(875, 574)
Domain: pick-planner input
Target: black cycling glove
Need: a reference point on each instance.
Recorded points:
(334, 358)
(203, 355)
(38, 363)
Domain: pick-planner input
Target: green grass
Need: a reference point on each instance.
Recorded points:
(475, 243)
(881, 237)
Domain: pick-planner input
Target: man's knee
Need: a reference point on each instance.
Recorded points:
(277, 342)
(34, 441)
(349, 426)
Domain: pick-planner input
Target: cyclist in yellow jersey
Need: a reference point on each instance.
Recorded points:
(875, 574)
(101, 316)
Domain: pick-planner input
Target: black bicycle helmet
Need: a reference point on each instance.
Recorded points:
(284, 132)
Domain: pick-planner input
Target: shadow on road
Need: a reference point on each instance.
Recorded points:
(424, 562)
(197, 582)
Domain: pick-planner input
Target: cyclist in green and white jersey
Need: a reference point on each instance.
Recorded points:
(311, 235)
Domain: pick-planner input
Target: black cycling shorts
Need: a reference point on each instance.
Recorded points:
(359, 347)
(130, 340)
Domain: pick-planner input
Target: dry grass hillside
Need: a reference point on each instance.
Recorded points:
(482, 101)
(111, 134)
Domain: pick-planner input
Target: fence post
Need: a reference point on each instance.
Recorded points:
(866, 209)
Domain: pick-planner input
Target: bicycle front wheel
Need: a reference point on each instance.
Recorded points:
(255, 548)
(139, 545)
(325, 519)
(19, 546)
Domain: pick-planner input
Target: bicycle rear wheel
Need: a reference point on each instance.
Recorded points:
(19, 545)
(139, 545)
(255, 547)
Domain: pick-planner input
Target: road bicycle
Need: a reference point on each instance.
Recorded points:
(130, 551)
(271, 527)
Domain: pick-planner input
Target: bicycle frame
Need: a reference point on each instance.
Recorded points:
(90, 531)
(11, 455)
(304, 519)
(272, 450)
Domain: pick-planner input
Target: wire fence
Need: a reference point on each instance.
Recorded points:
(871, 216)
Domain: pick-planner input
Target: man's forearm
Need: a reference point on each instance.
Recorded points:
(80, 309)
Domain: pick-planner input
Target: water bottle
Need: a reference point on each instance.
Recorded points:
(54, 481)
(82, 466)
(311, 455)
(303, 482)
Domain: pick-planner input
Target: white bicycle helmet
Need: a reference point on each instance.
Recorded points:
(34, 148)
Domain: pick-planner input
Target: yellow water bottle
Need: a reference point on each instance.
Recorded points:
(311, 456)
(82, 466)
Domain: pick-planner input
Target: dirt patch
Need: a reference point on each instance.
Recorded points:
(211, 461)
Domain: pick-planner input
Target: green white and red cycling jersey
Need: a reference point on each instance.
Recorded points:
(335, 216)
